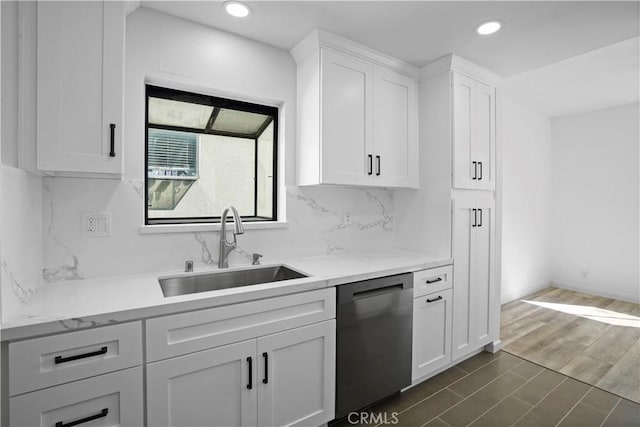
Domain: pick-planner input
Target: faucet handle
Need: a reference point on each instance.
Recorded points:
(256, 259)
(188, 266)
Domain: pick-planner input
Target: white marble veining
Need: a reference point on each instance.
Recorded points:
(89, 303)
(320, 221)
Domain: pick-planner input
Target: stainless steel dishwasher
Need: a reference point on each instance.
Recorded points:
(373, 356)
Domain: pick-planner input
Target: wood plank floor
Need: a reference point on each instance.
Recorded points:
(499, 390)
(590, 338)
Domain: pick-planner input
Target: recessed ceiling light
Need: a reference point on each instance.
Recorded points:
(237, 9)
(489, 28)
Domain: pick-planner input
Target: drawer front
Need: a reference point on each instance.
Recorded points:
(432, 280)
(57, 359)
(184, 333)
(108, 400)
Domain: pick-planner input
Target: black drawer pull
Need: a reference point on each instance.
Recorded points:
(435, 299)
(265, 380)
(475, 217)
(475, 170)
(378, 169)
(60, 359)
(102, 414)
(439, 279)
(480, 176)
(250, 384)
(370, 170)
(480, 222)
(112, 152)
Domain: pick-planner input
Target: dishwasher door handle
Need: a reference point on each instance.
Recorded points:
(377, 291)
(349, 292)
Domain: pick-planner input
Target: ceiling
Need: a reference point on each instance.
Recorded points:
(535, 33)
(599, 79)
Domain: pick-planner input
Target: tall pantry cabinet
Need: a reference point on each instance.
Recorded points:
(458, 136)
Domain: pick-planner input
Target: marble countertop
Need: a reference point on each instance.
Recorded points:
(89, 303)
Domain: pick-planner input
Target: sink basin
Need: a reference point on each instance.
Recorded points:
(181, 285)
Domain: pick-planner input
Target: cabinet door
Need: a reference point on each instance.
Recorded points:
(474, 134)
(464, 170)
(395, 129)
(107, 400)
(484, 132)
(80, 86)
(208, 388)
(346, 119)
(296, 376)
(431, 332)
(463, 259)
(485, 305)
(474, 292)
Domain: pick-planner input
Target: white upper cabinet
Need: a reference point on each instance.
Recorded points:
(346, 111)
(395, 130)
(474, 134)
(80, 76)
(357, 115)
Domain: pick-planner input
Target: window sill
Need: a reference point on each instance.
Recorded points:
(196, 228)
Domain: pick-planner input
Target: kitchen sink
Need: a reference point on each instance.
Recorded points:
(204, 282)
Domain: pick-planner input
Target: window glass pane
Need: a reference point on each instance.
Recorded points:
(265, 173)
(177, 113)
(205, 153)
(225, 177)
(239, 121)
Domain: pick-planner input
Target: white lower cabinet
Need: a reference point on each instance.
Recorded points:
(107, 400)
(204, 388)
(287, 378)
(431, 323)
(475, 298)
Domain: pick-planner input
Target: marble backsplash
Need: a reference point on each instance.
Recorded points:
(319, 221)
(21, 260)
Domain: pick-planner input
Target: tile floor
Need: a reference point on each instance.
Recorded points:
(501, 390)
(587, 337)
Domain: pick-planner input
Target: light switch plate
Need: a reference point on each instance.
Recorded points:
(96, 224)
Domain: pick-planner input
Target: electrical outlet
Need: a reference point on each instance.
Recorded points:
(96, 224)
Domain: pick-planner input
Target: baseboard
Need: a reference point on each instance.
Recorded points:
(598, 292)
(512, 296)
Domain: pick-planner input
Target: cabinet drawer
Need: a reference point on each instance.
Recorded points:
(48, 361)
(113, 399)
(184, 333)
(432, 280)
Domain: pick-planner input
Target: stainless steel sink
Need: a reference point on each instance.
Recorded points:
(181, 285)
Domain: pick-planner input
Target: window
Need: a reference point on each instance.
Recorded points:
(204, 153)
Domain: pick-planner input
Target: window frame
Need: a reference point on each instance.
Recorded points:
(152, 90)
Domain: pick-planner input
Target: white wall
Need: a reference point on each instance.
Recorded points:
(320, 220)
(595, 202)
(526, 198)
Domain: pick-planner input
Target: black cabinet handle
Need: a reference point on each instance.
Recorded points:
(480, 222)
(480, 176)
(265, 380)
(435, 299)
(475, 218)
(60, 359)
(370, 170)
(112, 153)
(102, 414)
(378, 169)
(475, 170)
(250, 384)
(439, 279)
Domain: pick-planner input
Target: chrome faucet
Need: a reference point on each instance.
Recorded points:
(226, 247)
